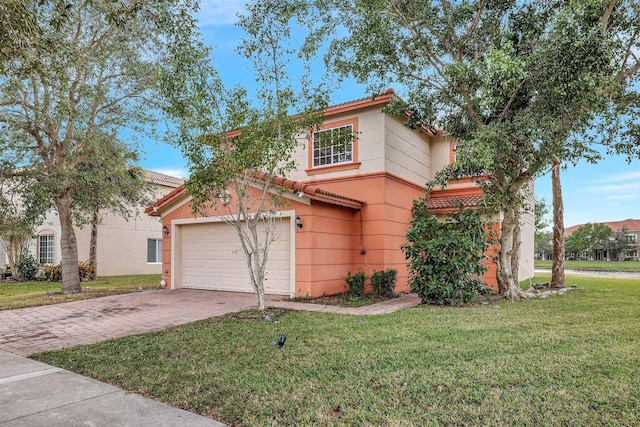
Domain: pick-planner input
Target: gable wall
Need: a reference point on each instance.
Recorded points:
(407, 152)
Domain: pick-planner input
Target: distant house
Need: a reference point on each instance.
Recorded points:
(631, 227)
(132, 246)
(347, 208)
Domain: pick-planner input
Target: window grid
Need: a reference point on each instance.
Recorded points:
(333, 146)
(154, 250)
(45, 249)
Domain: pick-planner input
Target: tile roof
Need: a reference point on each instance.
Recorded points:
(629, 224)
(161, 178)
(447, 203)
(311, 191)
(383, 98)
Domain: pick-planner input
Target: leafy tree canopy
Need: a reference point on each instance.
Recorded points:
(517, 83)
(80, 73)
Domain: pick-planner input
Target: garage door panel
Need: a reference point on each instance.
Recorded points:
(212, 258)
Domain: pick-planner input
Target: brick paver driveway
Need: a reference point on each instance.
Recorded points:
(30, 330)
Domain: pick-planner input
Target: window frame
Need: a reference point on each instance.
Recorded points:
(49, 247)
(157, 250)
(333, 167)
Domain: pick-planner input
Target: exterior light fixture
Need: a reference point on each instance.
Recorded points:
(298, 222)
(165, 230)
(224, 197)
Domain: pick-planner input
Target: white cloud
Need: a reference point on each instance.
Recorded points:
(617, 188)
(217, 13)
(175, 172)
(623, 197)
(622, 177)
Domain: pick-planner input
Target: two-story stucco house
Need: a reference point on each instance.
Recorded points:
(631, 227)
(125, 246)
(344, 211)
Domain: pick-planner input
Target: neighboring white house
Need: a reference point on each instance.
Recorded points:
(132, 246)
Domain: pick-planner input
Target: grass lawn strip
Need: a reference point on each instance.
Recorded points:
(566, 360)
(623, 266)
(32, 294)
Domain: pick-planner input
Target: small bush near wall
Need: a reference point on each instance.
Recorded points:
(355, 283)
(86, 270)
(446, 255)
(27, 266)
(383, 283)
(52, 273)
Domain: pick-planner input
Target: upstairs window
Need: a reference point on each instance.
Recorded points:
(632, 238)
(333, 146)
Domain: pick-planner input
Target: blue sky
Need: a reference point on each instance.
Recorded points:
(608, 191)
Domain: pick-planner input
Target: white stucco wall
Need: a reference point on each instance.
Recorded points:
(384, 144)
(407, 152)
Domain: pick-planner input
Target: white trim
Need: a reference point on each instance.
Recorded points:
(177, 206)
(176, 241)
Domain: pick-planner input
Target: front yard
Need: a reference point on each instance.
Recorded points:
(566, 360)
(31, 294)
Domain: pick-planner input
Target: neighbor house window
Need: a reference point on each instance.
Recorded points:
(333, 146)
(45, 248)
(632, 238)
(154, 250)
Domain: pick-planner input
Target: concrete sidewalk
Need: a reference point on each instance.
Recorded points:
(36, 394)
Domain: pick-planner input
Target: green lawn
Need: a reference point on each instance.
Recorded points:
(629, 266)
(566, 360)
(30, 294)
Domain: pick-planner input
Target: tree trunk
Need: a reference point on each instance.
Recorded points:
(515, 251)
(69, 244)
(93, 246)
(507, 283)
(14, 249)
(557, 267)
(257, 280)
(251, 248)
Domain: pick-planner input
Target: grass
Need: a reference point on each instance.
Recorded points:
(567, 360)
(31, 294)
(624, 266)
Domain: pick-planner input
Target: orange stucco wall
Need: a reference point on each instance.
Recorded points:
(379, 228)
(332, 239)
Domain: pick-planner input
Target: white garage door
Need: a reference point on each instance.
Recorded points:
(212, 258)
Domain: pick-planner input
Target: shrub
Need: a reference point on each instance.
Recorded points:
(52, 273)
(445, 257)
(355, 283)
(384, 282)
(86, 271)
(27, 267)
